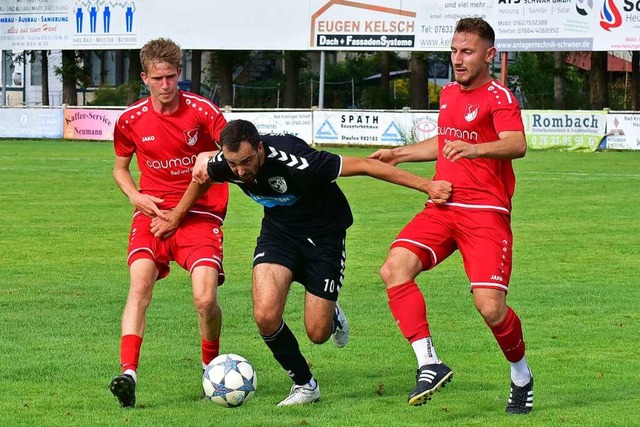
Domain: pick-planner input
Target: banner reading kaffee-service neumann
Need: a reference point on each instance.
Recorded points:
(395, 25)
(569, 130)
(95, 124)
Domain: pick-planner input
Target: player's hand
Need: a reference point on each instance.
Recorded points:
(385, 155)
(455, 150)
(439, 191)
(148, 205)
(163, 228)
(200, 174)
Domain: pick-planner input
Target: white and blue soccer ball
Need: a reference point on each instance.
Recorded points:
(229, 380)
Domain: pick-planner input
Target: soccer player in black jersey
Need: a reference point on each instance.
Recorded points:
(303, 232)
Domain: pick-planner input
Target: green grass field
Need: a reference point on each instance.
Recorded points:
(64, 281)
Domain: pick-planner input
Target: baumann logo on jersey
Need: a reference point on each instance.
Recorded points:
(172, 163)
(464, 135)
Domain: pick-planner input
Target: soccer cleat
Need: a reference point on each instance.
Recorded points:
(301, 394)
(340, 336)
(520, 398)
(124, 388)
(429, 379)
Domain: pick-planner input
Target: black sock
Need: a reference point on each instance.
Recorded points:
(285, 349)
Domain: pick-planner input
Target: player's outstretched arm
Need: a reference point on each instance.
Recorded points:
(199, 173)
(438, 191)
(423, 151)
(164, 228)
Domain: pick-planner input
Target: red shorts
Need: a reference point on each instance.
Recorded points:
(196, 242)
(484, 239)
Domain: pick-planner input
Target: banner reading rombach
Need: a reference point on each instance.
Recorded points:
(570, 130)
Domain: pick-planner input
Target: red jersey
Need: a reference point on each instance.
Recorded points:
(477, 116)
(166, 146)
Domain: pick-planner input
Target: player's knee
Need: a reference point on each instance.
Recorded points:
(317, 338)
(491, 312)
(140, 293)
(268, 322)
(207, 306)
(388, 272)
(319, 335)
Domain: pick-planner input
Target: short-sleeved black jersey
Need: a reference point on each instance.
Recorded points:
(296, 185)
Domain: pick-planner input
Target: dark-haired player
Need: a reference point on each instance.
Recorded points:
(303, 232)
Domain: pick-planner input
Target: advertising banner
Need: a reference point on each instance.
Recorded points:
(345, 25)
(90, 123)
(30, 123)
(64, 24)
(569, 130)
(623, 132)
(296, 123)
(360, 128)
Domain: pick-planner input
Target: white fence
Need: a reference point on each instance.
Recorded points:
(545, 129)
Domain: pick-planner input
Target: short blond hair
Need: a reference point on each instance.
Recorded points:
(160, 51)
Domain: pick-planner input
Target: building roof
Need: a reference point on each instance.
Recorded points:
(615, 62)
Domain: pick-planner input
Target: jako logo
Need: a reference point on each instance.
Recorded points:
(610, 16)
(148, 138)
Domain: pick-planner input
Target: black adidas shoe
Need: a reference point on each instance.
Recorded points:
(520, 398)
(429, 379)
(124, 388)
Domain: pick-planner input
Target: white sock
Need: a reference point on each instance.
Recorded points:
(520, 372)
(312, 384)
(204, 365)
(132, 373)
(425, 352)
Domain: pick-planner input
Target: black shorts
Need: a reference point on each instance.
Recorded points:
(316, 262)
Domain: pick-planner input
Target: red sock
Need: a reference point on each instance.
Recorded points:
(508, 333)
(130, 352)
(409, 310)
(210, 350)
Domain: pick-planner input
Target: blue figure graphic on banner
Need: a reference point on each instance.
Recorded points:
(93, 15)
(106, 15)
(129, 18)
(106, 9)
(79, 20)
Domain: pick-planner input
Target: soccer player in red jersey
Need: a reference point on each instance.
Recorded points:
(166, 131)
(480, 131)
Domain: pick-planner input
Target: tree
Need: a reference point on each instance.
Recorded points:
(533, 75)
(196, 70)
(70, 73)
(419, 81)
(44, 63)
(385, 79)
(635, 80)
(134, 81)
(599, 90)
(294, 61)
(223, 64)
(559, 86)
